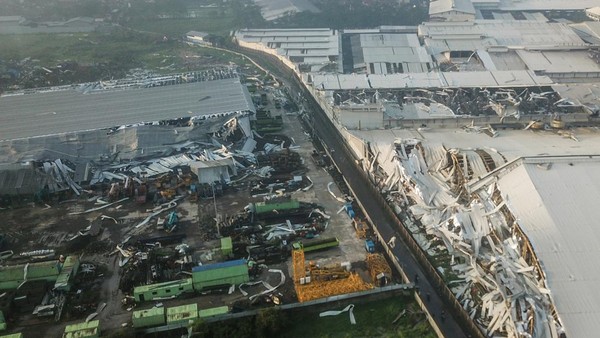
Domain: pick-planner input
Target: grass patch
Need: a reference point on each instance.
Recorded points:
(124, 49)
(81, 47)
(210, 20)
(373, 319)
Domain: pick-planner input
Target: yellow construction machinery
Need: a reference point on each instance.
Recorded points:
(313, 282)
(377, 265)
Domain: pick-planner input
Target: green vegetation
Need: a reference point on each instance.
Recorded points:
(183, 17)
(269, 322)
(210, 21)
(339, 14)
(373, 319)
(117, 46)
(96, 56)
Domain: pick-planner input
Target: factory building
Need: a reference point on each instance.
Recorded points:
(451, 10)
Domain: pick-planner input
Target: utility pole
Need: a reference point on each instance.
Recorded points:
(216, 212)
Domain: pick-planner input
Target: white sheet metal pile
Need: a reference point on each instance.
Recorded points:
(502, 290)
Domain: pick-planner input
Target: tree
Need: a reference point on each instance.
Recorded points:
(270, 322)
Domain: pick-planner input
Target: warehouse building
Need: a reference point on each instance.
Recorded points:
(220, 274)
(465, 10)
(451, 10)
(214, 170)
(384, 50)
(274, 9)
(313, 47)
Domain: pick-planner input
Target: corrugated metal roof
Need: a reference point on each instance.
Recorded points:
(55, 112)
(478, 34)
(559, 61)
(219, 265)
(429, 80)
(557, 208)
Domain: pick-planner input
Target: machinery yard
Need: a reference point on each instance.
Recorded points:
(214, 227)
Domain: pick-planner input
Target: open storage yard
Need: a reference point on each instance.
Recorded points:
(138, 247)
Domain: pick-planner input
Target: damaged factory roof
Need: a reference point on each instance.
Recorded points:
(64, 111)
(511, 143)
(516, 78)
(515, 222)
(554, 202)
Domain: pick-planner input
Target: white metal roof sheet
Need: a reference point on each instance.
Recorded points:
(429, 80)
(559, 61)
(557, 209)
(55, 112)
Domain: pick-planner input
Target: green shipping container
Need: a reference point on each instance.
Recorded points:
(162, 290)
(12, 276)
(148, 318)
(262, 207)
(182, 314)
(214, 311)
(226, 246)
(226, 273)
(83, 330)
(14, 335)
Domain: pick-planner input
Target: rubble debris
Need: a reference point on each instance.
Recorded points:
(473, 231)
(158, 210)
(329, 185)
(99, 208)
